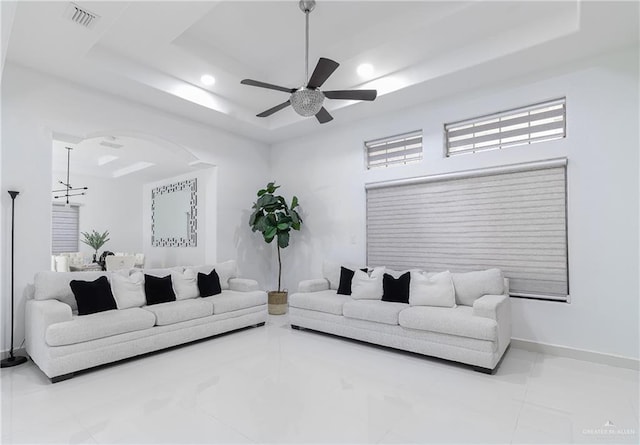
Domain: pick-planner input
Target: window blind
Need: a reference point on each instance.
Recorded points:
(65, 229)
(514, 220)
(401, 149)
(535, 123)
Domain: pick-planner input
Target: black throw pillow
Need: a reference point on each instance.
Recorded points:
(93, 296)
(346, 277)
(209, 285)
(396, 290)
(158, 290)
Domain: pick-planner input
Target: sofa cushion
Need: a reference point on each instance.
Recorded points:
(177, 311)
(209, 284)
(93, 296)
(128, 290)
(396, 290)
(378, 311)
(225, 270)
(99, 325)
(432, 289)
(331, 271)
(158, 289)
(184, 284)
(367, 286)
(346, 276)
(472, 285)
(324, 301)
(454, 321)
(55, 285)
(161, 272)
(230, 300)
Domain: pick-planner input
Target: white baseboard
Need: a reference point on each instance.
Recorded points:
(578, 354)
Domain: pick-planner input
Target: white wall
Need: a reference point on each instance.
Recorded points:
(110, 204)
(327, 172)
(34, 105)
(205, 250)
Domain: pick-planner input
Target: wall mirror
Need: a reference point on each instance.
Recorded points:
(174, 214)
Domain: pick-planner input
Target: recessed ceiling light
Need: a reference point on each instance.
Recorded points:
(208, 80)
(365, 70)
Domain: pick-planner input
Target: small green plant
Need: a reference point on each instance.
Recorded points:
(95, 240)
(274, 219)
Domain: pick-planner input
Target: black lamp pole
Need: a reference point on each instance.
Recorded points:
(12, 360)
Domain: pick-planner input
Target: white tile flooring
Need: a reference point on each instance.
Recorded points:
(272, 384)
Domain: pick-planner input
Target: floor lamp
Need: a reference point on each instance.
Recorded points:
(12, 360)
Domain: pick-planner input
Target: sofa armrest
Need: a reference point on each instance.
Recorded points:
(313, 285)
(498, 308)
(243, 284)
(488, 306)
(39, 315)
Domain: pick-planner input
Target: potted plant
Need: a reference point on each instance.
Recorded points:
(95, 240)
(274, 219)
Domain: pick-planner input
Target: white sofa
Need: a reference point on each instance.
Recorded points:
(477, 334)
(62, 342)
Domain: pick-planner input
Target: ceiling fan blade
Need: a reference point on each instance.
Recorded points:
(352, 94)
(256, 83)
(323, 116)
(324, 69)
(270, 111)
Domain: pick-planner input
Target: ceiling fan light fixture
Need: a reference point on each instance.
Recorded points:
(307, 101)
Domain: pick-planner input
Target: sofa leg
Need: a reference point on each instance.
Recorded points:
(62, 377)
(293, 326)
(484, 370)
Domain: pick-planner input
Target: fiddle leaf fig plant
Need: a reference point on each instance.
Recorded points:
(275, 219)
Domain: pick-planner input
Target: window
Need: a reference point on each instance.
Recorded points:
(64, 229)
(513, 219)
(402, 149)
(535, 123)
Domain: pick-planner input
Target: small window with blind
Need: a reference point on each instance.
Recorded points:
(526, 125)
(395, 150)
(64, 229)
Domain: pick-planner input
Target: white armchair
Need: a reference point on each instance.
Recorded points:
(117, 262)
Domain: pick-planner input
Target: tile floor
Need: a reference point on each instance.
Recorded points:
(272, 384)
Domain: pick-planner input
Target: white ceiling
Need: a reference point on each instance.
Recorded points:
(120, 157)
(155, 51)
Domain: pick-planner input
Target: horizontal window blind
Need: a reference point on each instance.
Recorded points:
(401, 149)
(535, 123)
(515, 221)
(65, 229)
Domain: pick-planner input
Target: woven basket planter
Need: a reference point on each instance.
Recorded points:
(278, 303)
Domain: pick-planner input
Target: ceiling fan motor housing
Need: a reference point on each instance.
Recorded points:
(307, 101)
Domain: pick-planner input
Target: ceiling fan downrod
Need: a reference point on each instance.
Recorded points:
(306, 6)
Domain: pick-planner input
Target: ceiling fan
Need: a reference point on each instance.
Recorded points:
(307, 100)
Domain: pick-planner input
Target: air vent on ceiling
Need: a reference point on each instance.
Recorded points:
(81, 16)
(111, 144)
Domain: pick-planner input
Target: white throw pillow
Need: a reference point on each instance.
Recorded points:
(472, 285)
(366, 286)
(185, 284)
(432, 289)
(128, 290)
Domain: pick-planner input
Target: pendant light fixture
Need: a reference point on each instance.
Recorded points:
(68, 189)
